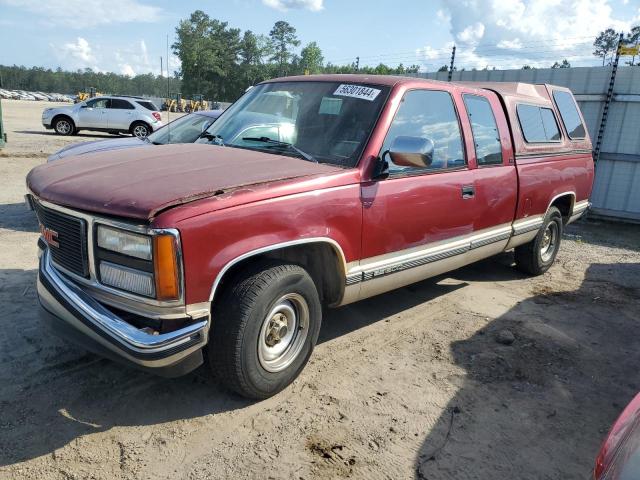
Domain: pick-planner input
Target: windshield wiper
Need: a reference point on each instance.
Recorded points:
(278, 143)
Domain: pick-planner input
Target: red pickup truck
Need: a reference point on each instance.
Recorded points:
(307, 192)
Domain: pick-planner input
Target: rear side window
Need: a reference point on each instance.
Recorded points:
(569, 114)
(538, 124)
(120, 104)
(485, 130)
(147, 105)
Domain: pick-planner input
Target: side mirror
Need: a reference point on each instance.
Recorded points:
(414, 152)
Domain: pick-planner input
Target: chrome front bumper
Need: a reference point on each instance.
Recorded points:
(74, 313)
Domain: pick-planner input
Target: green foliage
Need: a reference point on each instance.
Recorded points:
(38, 79)
(606, 43)
(311, 58)
(565, 64)
(283, 38)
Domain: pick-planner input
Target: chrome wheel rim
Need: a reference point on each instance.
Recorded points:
(140, 131)
(549, 242)
(283, 332)
(63, 127)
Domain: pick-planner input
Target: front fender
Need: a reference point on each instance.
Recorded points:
(214, 241)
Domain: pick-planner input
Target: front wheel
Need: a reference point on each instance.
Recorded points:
(537, 256)
(64, 126)
(265, 326)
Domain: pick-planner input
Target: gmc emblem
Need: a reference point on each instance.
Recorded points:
(50, 236)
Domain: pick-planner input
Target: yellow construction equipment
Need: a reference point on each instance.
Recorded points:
(82, 96)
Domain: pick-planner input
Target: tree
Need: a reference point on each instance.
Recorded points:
(527, 67)
(605, 43)
(565, 64)
(208, 50)
(311, 58)
(633, 40)
(283, 37)
(444, 68)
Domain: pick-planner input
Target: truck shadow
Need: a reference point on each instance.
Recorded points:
(552, 394)
(16, 216)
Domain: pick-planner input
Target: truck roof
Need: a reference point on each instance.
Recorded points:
(536, 93)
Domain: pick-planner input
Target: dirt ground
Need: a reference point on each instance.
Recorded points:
(411, 384)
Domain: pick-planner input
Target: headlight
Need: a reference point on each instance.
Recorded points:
(142, 264)
(127, 243)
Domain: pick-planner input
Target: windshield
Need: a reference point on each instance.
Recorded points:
(185, 129)
(328, 122)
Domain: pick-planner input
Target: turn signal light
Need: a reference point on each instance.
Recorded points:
(165, 264)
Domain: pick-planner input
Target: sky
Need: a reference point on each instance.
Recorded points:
(129, 36)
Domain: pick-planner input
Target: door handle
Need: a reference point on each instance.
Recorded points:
(468, 191)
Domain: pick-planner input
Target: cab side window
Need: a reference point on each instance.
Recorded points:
(485, 130)
(428, 114)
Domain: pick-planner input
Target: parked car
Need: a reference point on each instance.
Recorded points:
(133, 115)
(186, 129)
(619, 456)
(152, 255)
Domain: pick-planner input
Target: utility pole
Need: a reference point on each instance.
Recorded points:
(607, 103)
(161, 70)
(3, 135)
(453, 59)
(357, 63)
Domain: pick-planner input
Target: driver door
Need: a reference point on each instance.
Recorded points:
(413, 220)
(94, 114)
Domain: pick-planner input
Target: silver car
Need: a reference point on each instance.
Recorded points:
(134, 115)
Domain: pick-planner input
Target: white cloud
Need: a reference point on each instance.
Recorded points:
(514, 44)
(126, 69)
(284, 5)
(79, 51)
(132, 61)
(471, 34)
(516, 32)
(84, 14)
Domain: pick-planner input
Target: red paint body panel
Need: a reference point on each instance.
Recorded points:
(542, 179)
(138, 183)
(619, 456)
(211, 241)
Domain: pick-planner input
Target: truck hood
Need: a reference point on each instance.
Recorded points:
(98, 146)
(140, 182)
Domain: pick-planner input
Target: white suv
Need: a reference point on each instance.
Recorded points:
(133, 115)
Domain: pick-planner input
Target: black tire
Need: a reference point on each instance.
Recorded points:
(240, 325)
(537, 256)
(137, 129)
(64, 126)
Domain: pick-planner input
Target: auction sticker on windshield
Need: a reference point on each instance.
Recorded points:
(357, 91)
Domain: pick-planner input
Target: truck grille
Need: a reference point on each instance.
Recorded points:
(66, 237)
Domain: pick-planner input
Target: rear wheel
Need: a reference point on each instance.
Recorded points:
(264, 329)
(64, 126)
(140, 129)
(537, 256)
